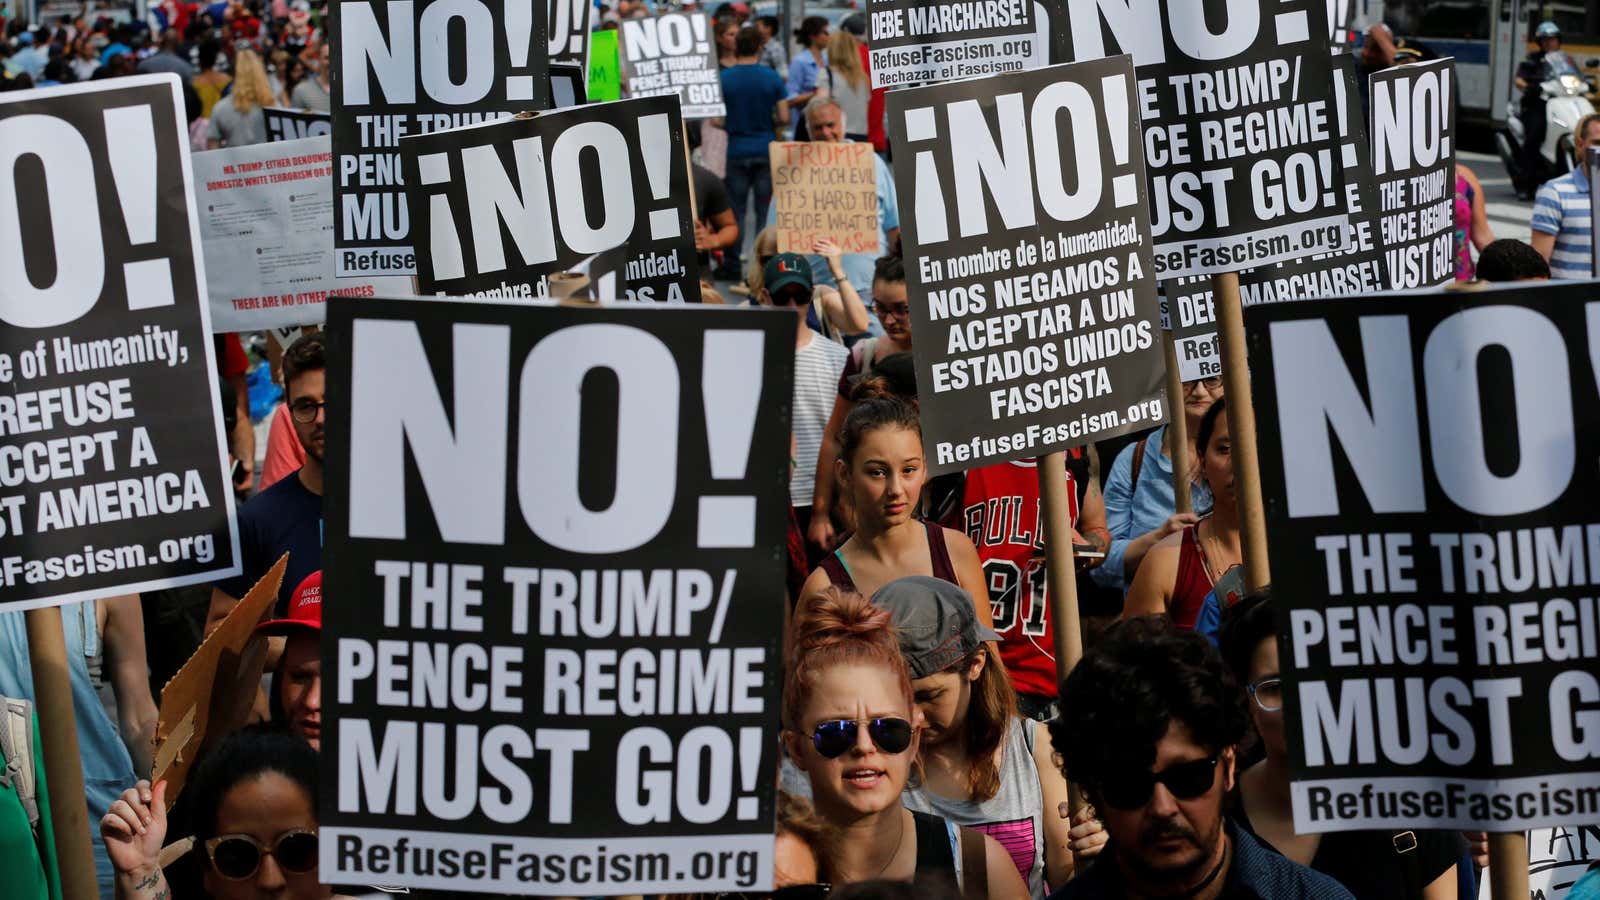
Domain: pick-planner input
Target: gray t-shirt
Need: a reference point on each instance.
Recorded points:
(235, 129)
(1014, 816)
(310, 94)
(853, 100)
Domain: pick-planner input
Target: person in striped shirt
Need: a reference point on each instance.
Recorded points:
(1562, 219)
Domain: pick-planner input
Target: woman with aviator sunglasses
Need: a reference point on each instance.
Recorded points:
(1380, 865)
(851, 726)
(255, 808)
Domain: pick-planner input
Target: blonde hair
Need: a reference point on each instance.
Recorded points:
(844, 57)
(250, 86)
(755, 277)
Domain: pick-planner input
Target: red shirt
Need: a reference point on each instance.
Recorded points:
(1000, 512)
(876, 110)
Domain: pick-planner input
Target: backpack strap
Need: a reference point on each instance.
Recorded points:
(1138, 463)
(16, 744)
(1404, 844)
(974, 865)
(869, 352)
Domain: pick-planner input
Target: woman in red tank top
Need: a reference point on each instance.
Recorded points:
(880, 467)
(1178, 573)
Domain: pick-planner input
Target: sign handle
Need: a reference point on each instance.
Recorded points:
(1508, 866)
(1060, 573)
(1062, 577)
(688, 168)
(1242, 428)
(1177, 431)
(58, 737)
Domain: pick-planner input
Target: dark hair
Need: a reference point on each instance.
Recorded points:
(747, 42)
(770, 21)
(899, 373)
(208, 54)
(890, 269)
(1208, 424)
(244, 755)
(876, 406)
(1509, 259)
(810, 27)
(308, 354)
(1244, 626)
(1143, 674)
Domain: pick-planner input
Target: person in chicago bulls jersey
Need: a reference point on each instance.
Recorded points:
(1000, 512)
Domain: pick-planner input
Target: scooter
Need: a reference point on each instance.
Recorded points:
(1566, 92)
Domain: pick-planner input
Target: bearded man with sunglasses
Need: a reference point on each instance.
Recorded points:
(1150, 719)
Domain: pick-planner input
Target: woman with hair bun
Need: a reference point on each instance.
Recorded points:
(850, 724)
(880, 468)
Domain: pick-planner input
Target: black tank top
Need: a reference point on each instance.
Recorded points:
(938, 553)
(934, 857)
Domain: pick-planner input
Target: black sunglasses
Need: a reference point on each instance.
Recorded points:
(1186, 781)
(792, 892)
(832, 739)
(237, 857)
(791, 296)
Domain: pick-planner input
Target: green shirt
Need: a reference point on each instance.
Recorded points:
(28, 861)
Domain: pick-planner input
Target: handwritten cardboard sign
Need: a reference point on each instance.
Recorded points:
(825, 190)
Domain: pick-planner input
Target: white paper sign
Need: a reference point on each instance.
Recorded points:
(266, 224)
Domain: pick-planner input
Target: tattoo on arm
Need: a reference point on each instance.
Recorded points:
(149, 881)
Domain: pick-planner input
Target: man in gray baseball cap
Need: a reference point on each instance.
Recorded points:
(935, 620)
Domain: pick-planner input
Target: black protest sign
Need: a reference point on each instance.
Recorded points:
(1428, 469)
(1357, 267)
(568, 32)
(1593, 164)
(916, 42)
(600, 189)
(294, 124)
(1192, 318)
(555, 551)
(1027, 247)
(671, 55)
(416, 68)
(1240, 138)
(111, 450)
(1413, 122)
(1341, 24)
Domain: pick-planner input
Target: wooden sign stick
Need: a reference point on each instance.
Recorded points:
(1242, 428)
(58, 737)
(1062, 577)
(1060, 573)
(1177, 431)
(1508, 866)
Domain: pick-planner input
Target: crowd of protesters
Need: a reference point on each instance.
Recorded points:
(926, 739)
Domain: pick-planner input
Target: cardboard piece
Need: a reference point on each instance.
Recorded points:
(825, 190)
(211, 695)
